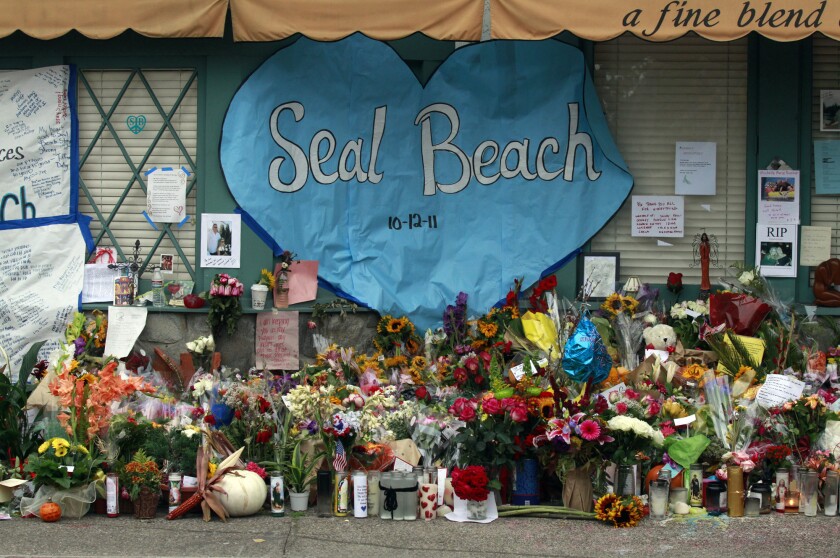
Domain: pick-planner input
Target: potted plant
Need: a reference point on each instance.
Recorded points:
(259, 291)
(298, 476)
(183, 448)
(142, 477)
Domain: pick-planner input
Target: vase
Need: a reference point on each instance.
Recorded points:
(477, 510)
(627, 480)
(145, 506)
(259, 294)
(298, 501)
(526, 483)
(577, 490)
(281, 298)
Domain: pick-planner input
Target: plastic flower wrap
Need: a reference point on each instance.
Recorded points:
(541, 331)
(734, 426)
(739, 312)
(427, 433)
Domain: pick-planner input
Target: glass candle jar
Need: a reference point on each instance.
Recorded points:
(695, 485)
(765, 492)
(808, 495)
(387, 499)
(791, 502)
(752, 506)
(325, 496)
(341, 494)
(715, 497)
(360, 494)
(678, 495)
(659, 498)
(373, 493)
(278, 503)
(782, 487)
(735, 491)
(830, 487)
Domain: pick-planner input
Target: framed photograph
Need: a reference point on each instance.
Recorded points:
(221, 239)
(598, 274)
(830, 110)
(166, 263)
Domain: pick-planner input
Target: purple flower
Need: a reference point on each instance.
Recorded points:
(311, 426)
(80, 345)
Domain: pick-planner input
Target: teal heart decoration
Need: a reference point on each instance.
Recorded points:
(502, 166)
(135, 123)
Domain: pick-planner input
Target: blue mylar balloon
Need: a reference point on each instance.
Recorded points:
(586, 356)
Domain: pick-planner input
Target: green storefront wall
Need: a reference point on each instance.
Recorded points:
(778, 117)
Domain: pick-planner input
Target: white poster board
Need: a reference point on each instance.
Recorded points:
(776, 249)
(695, 168)
(36, 151)
(41, 274)
(166, 195)
(658, 216)
(778, 196)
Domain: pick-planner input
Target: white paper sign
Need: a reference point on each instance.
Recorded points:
(658, 216)
(663, 355)
(778, 389)
(685, 420)
(618, 388)
(99, 283)
(41, 274)
(166, 197)
(816, 245)
(695, 168)
(775, 249)
(277, 346)
(37, 146)
(778, 196)
(125, 324)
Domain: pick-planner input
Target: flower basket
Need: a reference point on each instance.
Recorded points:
(145, 506)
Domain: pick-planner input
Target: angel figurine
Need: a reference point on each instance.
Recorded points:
(705, 252)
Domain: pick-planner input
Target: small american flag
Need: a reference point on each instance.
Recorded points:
(340, 460)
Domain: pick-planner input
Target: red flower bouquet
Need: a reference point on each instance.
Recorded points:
(470, 483)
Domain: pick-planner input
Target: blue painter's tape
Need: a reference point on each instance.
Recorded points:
(149, 219)
(167, 169)
(150, 171)
(183, 221)
(186, 171)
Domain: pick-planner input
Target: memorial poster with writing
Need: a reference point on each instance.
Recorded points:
(277, 337)
(662, 216)
(38, 144)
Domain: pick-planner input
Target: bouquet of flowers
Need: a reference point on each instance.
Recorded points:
(141, 472)
(225, 307)
(62, 464)
(632, 437)
(490, 426)
(201, 350)
(471, 483)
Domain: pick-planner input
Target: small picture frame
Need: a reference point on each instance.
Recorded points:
(598, 274)
(830, 110)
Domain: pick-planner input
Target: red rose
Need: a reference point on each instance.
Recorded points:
(630, 394)
(421, 393)
(479, 379)
(467, 414)
(492, 406)
(601, 404)
(237, 414)
(471, 364)
(675, 283)
(460, 376)
(470, 483)
(621, 407)
(210, 419)
(519, 413)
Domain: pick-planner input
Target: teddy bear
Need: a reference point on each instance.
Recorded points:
(660, 337)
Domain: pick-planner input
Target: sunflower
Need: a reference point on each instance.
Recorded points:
(741, 371)
(604, 507)
(418, 362)
(629, 304)
(88, 378)
(396, 361)
(396, 325)
(382, 326)
(629, 513)
(613, 305)
(694, 372)
(488, 329)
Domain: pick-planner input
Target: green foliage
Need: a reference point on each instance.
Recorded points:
(224, 314)
(183, 451)
(298, 471)
(19, 436)
(49, 464)
(131, 433)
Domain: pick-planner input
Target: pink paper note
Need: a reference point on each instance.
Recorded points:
(277, 341)
(303, 281)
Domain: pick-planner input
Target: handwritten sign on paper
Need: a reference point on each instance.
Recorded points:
(125, 324)
(277, 341)
(778, 196)
(815, 245)
(166, 195)
(99, 283)
(658, 216)
(779, 389)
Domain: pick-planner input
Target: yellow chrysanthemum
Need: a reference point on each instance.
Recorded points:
(44, 447)
(82, 449)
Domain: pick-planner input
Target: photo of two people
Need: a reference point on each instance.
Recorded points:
(219, 239)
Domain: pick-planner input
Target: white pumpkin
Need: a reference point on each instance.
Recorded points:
(246, 493)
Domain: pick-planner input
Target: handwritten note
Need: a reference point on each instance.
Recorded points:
(778, 196)
(658, 216)
(277, 341)
(166, 195)
(755, 348)
(779, 389)
(125, 324)
(815, 245)
(99, 283)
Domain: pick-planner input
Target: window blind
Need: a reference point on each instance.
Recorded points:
(655, 95)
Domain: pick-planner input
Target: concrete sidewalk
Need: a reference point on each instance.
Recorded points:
(262, 535)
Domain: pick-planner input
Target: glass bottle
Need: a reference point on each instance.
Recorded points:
(810, 483)
(735, 491)
(830, 487)
(325, 495)
(373, 493)
(158, 300)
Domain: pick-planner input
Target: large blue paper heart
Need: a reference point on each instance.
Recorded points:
(400, 235)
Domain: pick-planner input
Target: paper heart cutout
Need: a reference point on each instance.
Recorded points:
(135, 123)
(485, 235)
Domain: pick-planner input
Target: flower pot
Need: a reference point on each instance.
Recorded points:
(259, 293)
(145, 506)
(299, 501)
(577, 490)
(477, 510)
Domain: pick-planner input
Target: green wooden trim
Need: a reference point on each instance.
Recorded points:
(804, 293)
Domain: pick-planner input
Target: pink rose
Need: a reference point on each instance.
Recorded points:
(631, 394)
(519, 413)
(214, 290)
(492, 406)
(467, 414)
(471, 364)
(227, 290)
(621, 408)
